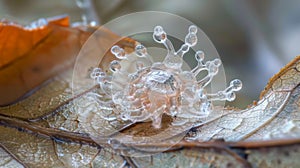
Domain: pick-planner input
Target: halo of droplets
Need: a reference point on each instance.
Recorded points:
(149, 91)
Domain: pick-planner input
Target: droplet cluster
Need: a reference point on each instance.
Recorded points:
(150, 89)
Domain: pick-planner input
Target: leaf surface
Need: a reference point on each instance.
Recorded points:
(46, 128)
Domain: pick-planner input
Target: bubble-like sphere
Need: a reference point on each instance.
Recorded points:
(159, 35)
(236, 84)
(191, 39)
(115, 65)
(230, 96)
(95, 73)
(158, 30)
(115, 49)
(140, 50)
(213, 68)
(193, 29)
(199, 56)
(217, 62)
(118, 52)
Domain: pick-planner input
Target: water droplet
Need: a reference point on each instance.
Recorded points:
(193, 29)
(213, 69)
(230, 96)
(101, 78)
(191, 39)
(236, 84)
(124, 117)
(140, 50)
(199, 56)
(118, 52)
(158, 30)
(115, 49)
(159, 35)
(115, 66)
(97, 72)
(217, 62)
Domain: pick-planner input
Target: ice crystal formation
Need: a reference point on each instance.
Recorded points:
(150, 89)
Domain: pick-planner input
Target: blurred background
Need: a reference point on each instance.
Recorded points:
(254, 38)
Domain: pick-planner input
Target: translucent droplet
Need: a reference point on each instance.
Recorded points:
(158, 30)
(115, 66)
(115, 49)
(140, 50)
(37, 24)
(230, 96)
(124, 117)
(217, 62)
(199, 56)
(174, 62)
(193, 29)
(236, 84)
(213, 68)
(191, 39)
(159, 35)
(101, 78)
(118, 52)
(96, 72)
(185, 48)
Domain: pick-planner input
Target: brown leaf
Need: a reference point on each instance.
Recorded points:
(276, 115)
(46, 129)
(7, 160)
(218, 156)
(30, 57)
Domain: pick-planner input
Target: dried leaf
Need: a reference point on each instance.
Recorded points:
(7, 160)
(31, 56)
(275, 116)
(46, 129)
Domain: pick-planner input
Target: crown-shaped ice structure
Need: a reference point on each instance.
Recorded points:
(150, 89)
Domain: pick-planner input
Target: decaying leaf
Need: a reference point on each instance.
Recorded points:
(29, 57)
(7, 160)
(46, 129)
